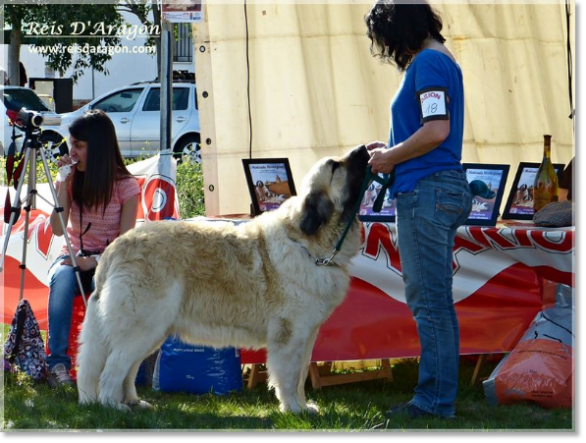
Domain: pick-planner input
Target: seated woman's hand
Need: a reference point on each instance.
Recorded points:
(84, 263)
(66, 160)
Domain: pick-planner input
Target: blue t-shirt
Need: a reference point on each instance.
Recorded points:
(429, 70)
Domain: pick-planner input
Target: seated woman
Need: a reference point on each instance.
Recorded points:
(100, 200)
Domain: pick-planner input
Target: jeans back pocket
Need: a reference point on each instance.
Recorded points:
(449, 206)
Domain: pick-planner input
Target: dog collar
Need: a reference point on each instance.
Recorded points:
(377, 206)
(317, 261)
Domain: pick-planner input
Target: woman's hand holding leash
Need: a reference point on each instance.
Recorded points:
(380, 158)
(375, 145)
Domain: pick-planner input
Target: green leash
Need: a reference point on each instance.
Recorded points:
(376, 207)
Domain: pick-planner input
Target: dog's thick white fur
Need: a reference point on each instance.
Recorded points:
(255, 285)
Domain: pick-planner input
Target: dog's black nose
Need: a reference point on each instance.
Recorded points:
(359, 153)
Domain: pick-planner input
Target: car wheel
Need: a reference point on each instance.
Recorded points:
(54, 145)
(188, 148)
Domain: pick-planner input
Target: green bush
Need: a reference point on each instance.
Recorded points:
(41, 178)
(189, 183)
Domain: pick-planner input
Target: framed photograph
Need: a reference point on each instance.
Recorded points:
(520, 202)
(269, 181)
(487, 183)
(388, 211)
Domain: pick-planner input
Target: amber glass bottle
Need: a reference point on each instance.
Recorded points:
(546, 187)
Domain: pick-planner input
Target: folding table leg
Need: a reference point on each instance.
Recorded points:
(479, 363)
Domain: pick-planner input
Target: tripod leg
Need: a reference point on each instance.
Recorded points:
(59, 210)
(27, 208)
(30, 204)
(13, 210)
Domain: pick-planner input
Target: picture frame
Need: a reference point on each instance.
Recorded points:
(389, 210)
(487, 182)
(270, 182)
(520, 201)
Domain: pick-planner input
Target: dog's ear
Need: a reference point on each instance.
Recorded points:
(317, 210)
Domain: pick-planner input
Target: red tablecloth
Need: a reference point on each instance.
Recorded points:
(498, 277)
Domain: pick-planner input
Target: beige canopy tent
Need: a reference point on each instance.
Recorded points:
(315, 90)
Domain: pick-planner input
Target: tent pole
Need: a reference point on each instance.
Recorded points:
(207, 113)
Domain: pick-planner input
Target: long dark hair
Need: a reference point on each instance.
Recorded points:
(105, 165)
(397, 30)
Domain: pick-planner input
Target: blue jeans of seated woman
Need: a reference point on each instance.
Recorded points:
(427, 220)
(63, 288)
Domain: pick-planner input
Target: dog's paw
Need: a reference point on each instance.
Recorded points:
(312, 409)
(144, 405)
(122, 407)
(291, 409)
(139, 404)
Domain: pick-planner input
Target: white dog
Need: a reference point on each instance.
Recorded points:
(255, 285)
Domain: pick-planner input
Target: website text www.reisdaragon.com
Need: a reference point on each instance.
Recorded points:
(88, 49)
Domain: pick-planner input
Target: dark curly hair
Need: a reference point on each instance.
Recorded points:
(398, 30)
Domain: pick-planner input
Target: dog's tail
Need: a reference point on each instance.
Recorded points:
(92, 353)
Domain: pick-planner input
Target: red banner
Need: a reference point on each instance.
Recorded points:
(156, 177)
(498, 275)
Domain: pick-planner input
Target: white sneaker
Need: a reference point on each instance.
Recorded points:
(59, 376)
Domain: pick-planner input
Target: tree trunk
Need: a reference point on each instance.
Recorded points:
(13, 67)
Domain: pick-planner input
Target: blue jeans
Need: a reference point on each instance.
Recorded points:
(427, 220)
(63, 288)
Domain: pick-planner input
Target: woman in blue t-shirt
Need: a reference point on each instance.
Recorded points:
(433, 196)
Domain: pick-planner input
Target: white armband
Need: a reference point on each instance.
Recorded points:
(434, 104)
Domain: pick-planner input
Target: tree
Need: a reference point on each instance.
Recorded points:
(27, 21)
(142, 10)
(14, 16)
(53, 16)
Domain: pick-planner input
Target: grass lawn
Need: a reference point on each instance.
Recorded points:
(358, 406)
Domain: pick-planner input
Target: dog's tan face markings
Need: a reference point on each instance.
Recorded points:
(332, 186)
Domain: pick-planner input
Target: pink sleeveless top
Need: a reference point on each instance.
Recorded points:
(104, 228)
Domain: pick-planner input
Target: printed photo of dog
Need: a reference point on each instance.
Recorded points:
(255, 285)
(262, 192)
(524, 196)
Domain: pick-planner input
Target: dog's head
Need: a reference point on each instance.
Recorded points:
(331, 189)
(481, 189)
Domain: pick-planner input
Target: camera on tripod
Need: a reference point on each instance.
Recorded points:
(34, 119)
(31, 122)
